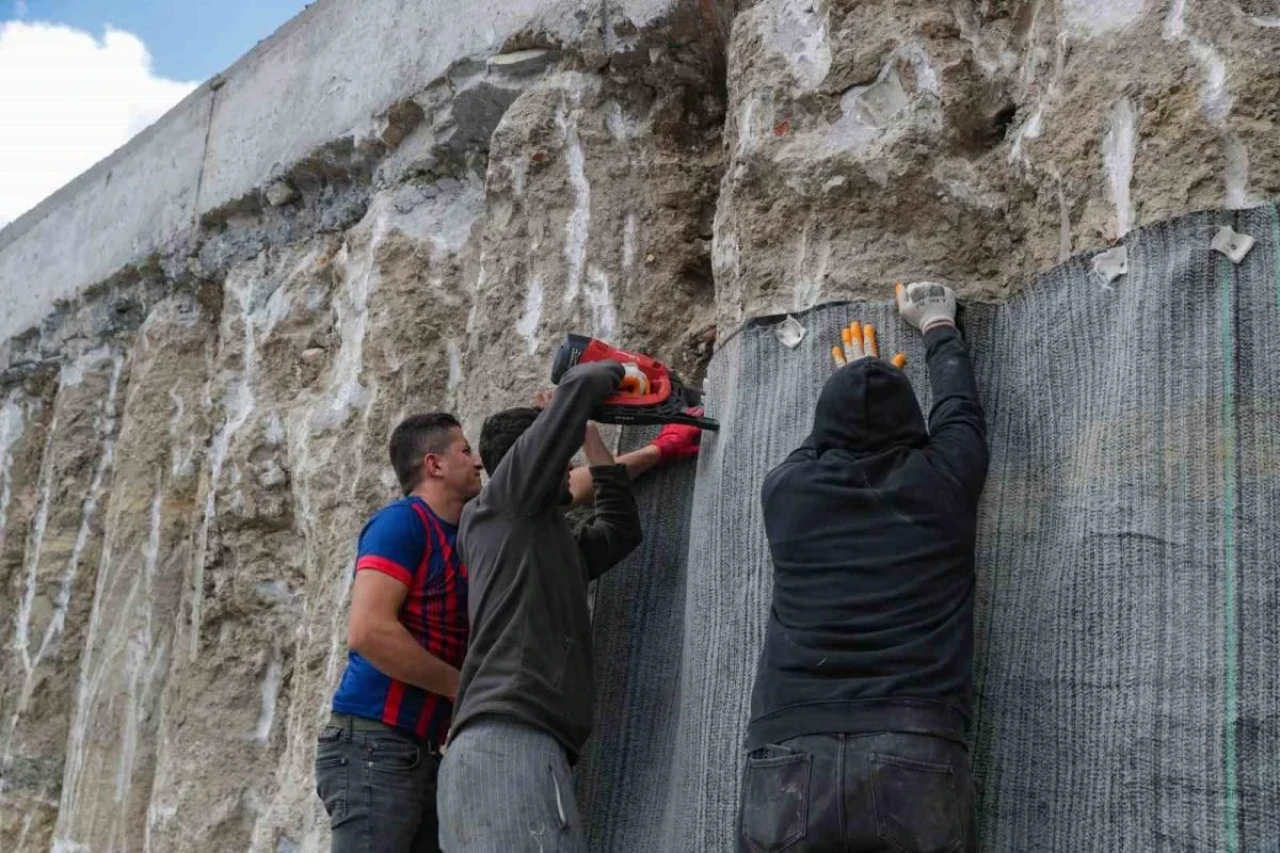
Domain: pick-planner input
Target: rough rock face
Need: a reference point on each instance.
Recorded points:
(978, 142)
(188, 451)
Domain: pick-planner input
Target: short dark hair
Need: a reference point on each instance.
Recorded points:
(415, 437)
(500, 431)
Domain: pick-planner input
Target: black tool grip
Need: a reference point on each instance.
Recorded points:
(568, 354)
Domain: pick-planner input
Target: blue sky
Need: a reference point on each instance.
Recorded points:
(187, 39)
(79, 78)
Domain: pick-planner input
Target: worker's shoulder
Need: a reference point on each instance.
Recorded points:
(397, 513)
(485, 512)
(790, 470)
(395, 525)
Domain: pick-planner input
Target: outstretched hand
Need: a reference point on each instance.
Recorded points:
(679, 441)
(860, 341)
(926, 304)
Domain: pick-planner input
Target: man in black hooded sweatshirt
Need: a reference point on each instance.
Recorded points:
(863, 691)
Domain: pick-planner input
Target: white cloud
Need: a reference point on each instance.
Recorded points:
(66, 101)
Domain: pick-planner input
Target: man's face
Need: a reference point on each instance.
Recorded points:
(459, 466)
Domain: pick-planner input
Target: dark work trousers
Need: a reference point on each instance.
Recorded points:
(378, 785)
(897, 793)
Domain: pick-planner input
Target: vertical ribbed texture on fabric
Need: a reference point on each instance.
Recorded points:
(1127, 655)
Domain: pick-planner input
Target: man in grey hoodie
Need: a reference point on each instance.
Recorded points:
(526, 696)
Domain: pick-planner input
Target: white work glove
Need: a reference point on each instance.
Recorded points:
(926, 304)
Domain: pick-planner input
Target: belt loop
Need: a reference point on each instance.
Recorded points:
(351, 728)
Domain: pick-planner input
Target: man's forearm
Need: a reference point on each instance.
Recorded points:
(955, 391)
(636, 462)
(614, 529)
(393, 650)
(957, 423)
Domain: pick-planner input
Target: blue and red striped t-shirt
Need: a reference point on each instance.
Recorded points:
(409, 542)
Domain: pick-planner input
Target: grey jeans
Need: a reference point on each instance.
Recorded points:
(876, 793)
(379, 788)
(507, 788)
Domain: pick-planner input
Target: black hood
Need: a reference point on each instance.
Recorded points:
(866, 408)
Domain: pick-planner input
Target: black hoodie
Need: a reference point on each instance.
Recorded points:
(871, 526)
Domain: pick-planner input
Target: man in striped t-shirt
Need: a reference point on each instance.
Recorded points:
(376, 761)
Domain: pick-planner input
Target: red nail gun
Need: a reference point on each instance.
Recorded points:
(667, 402)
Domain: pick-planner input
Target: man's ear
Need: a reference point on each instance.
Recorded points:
(431, 464)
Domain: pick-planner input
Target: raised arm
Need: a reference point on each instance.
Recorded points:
(530, 479)
(674, 443)
(957, 424)
(614, 529)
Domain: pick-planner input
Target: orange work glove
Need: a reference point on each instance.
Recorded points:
(860, 342)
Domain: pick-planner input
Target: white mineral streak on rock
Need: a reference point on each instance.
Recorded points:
(604, 315)
(35, 540)
(753, 122)
(238, 403)
(926, 77)
(1237, 175)
(519, 166)
(1095, 17)
(12, 426)
(725, 257)
(808, 279)
(629, 229)
(446, 222)
(106, 429)
(622, 127)
(141, 670)
(455, 363)
(1030, 130)
(180, 459)
(106, 432)
(1119, 148)
(527, 325)
(473, 315)
(866, 112)
(270, 695)
(345, 389)
(1215, 100)
(1034, 126)
(577, 229)
(797, 31)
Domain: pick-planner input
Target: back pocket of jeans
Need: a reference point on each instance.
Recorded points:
(331, 778)
(917, 804)
(775, 799)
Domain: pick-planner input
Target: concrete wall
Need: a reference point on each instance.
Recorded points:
(324, 75)
(140, 198)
